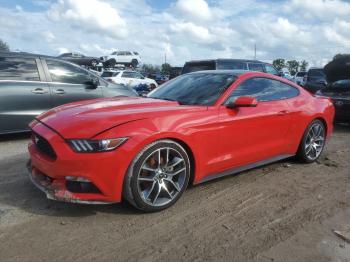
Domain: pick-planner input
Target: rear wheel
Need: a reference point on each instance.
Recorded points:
(158, 176)
(313, 142)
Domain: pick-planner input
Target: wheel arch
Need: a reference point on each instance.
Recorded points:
(190, 153)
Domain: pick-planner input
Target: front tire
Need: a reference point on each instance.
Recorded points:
(158, 176)
(313, 142)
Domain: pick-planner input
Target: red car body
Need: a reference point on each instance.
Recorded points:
(219, 140)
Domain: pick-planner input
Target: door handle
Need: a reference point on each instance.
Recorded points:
(282, 113)
(59, 91)
(39, 91)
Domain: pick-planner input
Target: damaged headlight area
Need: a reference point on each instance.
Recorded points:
(94, 146)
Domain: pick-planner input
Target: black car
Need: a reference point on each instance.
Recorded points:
(314, 80)
(338, 87)
(80, 59)
(229, 64)
(31, 84)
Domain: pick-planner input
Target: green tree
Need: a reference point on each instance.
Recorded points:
(148, 69)
(303, 65)
(4, 46)
(279, 63)
(166, 68)
(293, 66)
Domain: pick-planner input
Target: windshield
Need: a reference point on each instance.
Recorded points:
(341, 85)
(195, 89)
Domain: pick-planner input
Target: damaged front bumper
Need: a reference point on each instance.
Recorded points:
(56, 189)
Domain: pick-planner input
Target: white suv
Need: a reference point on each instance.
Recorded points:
(124, 57)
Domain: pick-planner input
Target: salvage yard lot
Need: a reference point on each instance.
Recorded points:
(282, 211)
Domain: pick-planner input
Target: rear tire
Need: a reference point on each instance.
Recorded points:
(313, 142)
(157, 177)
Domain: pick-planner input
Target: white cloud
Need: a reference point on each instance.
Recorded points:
(194, 9)
(94, 16)
(48, 36)
(188, 29)
(193, 32)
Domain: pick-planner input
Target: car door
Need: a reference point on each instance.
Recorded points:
(24, 93)
(252, 134)
(70, 83)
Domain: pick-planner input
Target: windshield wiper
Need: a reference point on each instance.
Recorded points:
(168, 99)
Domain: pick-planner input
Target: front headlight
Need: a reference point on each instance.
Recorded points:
(93, 146)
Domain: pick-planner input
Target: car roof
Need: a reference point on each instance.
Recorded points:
(226, 60)
(224, 71)
(25, 54)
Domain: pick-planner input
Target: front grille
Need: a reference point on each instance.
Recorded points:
(44, 146)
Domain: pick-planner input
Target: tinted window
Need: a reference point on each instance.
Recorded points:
(256, 67)
(198, 66)
(109, 74)
(67, 73)
(234, 65)
(316, 72)
(131, 75)
(341, 85)
(195, 89)
(271, 70)
(264, 89)
(301, 74)
(15, 68)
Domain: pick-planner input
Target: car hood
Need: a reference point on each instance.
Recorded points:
(338, 69)
(85, 119)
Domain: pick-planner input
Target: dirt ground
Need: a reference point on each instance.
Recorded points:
(282, 212)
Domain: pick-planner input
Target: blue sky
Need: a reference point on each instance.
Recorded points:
(314, 30)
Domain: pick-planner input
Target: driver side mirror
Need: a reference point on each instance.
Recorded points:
(243, 101)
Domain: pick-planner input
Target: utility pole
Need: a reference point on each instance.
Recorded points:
(254, 51)
(164, 58)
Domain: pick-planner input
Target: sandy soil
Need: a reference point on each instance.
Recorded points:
(281, 212)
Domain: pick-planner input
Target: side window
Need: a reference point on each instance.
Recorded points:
(234, 65)
(256, 67)
(15, 68)
(128, 53)
(67, 73)
(128, 75)
(264, 89)
(271, 70)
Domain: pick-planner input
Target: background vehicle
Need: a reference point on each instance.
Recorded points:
(299, 77)
(124, 57)
(229, 64)
(338, 87)
(129, 78)
(31, 84)
(197, 127)
(314, 79)
(159, 78)
(80, 59)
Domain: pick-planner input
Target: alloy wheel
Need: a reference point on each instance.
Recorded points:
(162, 176)
(314, 141)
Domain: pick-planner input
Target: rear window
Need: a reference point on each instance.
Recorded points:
(109, 74)
(316, 72)
(256, 67)
(16, 68)
(233, 65)
(198, 66)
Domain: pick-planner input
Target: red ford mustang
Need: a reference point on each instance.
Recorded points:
(195, 128)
